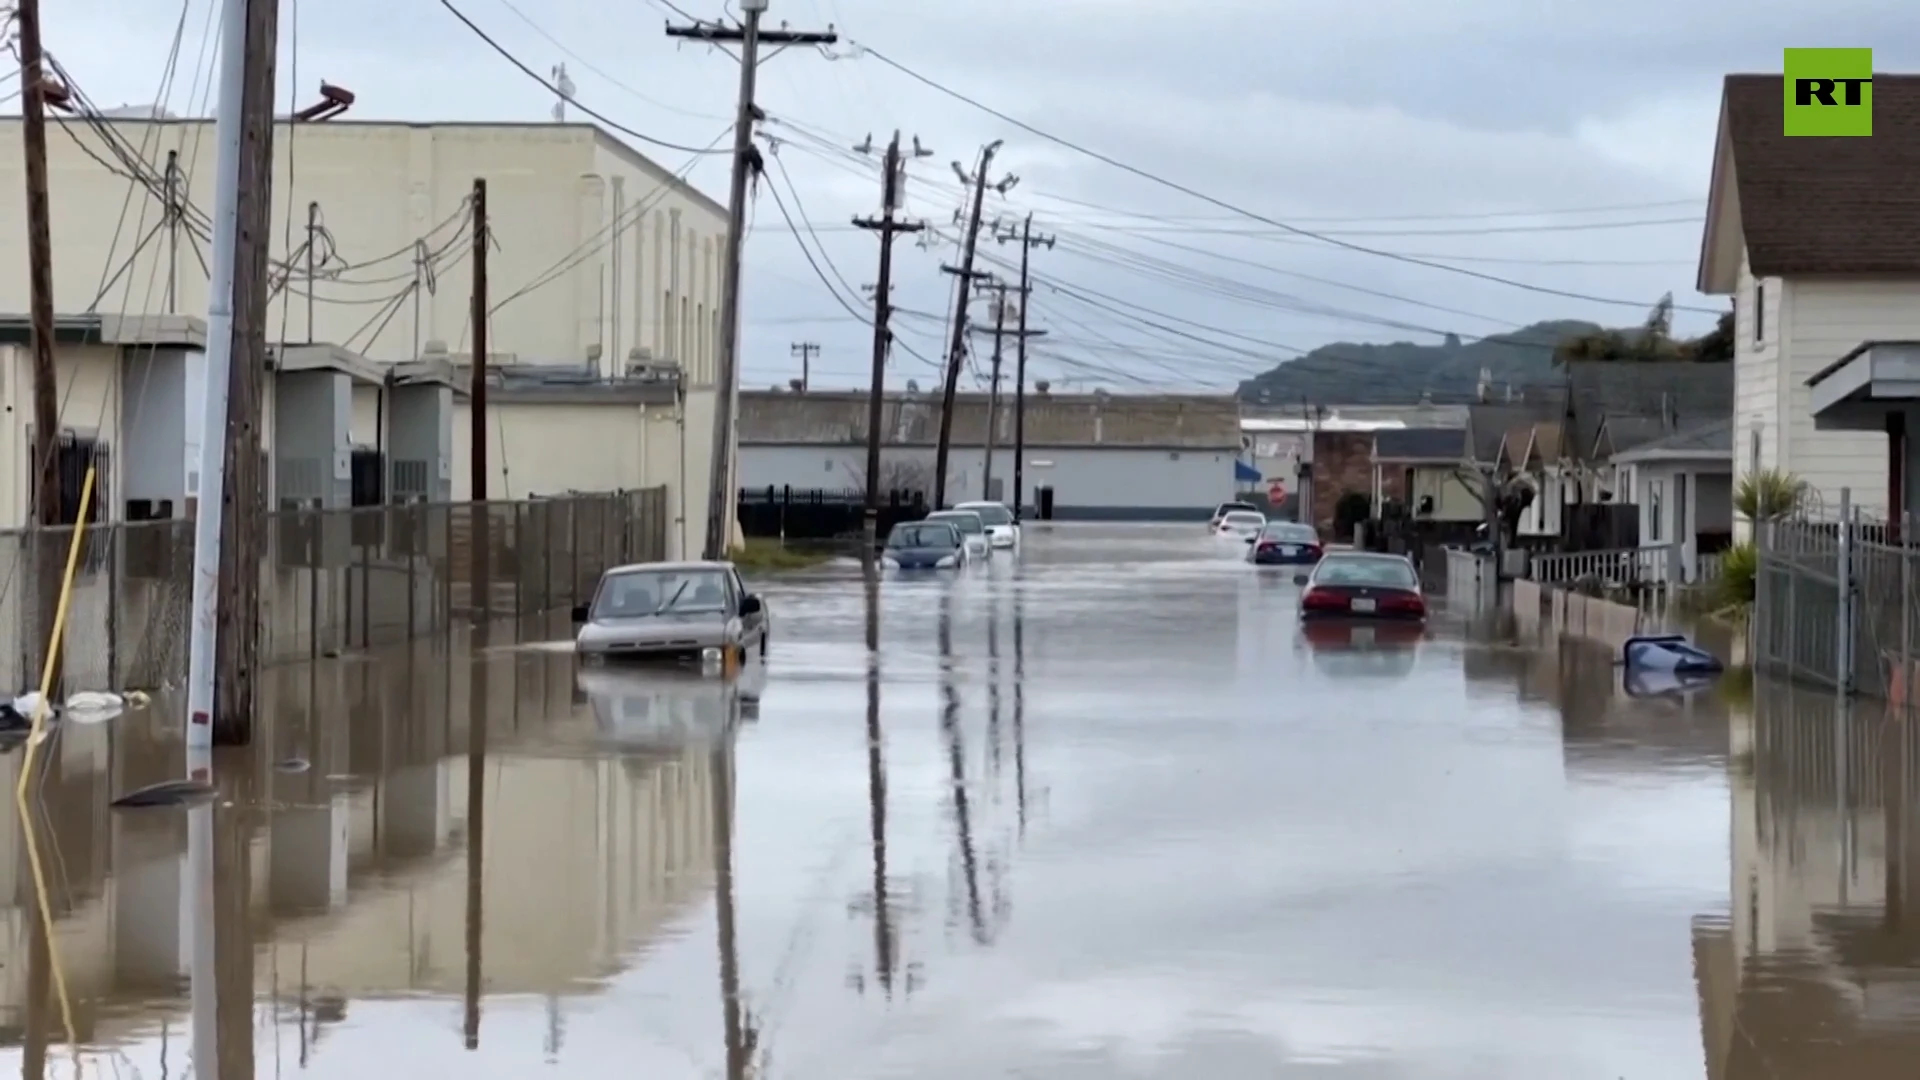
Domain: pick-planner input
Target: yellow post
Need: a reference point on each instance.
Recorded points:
(31, 756)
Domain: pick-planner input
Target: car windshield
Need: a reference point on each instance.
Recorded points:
(923, 535)
(990, 513)
(1374, 573)
(1288, 532)
(1242, 517)
(968, 522)
(639, 593)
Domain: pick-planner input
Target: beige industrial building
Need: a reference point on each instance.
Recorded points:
(605, 266)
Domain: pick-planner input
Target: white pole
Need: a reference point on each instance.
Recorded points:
(210, 473)
(208, 490)
(202, 986)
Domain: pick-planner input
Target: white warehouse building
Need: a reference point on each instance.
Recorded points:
(602, 260)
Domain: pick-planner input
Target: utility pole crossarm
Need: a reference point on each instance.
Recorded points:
(714, 34)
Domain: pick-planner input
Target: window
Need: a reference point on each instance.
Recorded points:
(1656, 509)
(1759, 312)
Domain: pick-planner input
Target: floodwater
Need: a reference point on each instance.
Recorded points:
(1100, 811)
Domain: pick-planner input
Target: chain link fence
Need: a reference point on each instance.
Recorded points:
(331, 581)
(1834, 601)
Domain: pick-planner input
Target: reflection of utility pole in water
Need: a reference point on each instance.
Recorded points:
(39, 1018)
(1020, 709)
(884, 959)
(957, 761)
(476, 829)
(233, 920)
(740, 1037)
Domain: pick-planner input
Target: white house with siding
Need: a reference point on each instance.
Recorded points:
(1818, 242)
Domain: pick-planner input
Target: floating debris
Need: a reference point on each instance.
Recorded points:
(166, 793)
(292, 765)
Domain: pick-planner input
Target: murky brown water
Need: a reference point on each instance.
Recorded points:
(1103, 814)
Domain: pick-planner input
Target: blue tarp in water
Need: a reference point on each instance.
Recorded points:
(1244, 473)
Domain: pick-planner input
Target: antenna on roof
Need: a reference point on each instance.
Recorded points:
(565, 86)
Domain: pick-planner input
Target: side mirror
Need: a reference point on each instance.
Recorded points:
(579, 614)
(1300, 579)
(750, 605)
(1251, 539)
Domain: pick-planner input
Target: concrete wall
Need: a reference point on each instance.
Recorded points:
(381, 186)
(546, 448)
(1108, 483)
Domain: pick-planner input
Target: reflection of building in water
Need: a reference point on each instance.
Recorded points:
(584, 859)
(1815, 973)
(359, 866)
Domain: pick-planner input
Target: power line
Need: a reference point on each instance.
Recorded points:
(555, 90)
(1223, 204)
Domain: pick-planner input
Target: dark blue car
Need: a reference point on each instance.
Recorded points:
(1286, 543)
(925, 545)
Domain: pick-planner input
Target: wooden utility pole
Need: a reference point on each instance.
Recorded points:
(957, 351)
(481, 541)
(1028, 242)
(48, 498)
(243, 504)
(999, 290)
(888, 227)
(806, 351)
(746, 163)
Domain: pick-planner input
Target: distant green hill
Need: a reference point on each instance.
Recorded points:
(1347, 373)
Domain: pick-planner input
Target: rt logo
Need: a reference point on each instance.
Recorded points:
(1829, 92)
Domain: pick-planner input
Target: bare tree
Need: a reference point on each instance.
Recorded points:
(896, 475)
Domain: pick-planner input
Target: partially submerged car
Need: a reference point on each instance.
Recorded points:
(973, 530)
(1002, 530)
(671, 610)
(925, 545)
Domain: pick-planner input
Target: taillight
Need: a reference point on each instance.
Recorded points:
(1323, 600)
(1405, 603)
(1268, 545)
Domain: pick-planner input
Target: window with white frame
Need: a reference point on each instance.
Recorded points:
(1656, 510)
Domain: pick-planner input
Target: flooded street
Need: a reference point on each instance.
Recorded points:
(1098, 811)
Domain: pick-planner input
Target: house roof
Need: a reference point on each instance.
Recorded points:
(1713, 439)
(1420, 444)
(1623, 432)
(1488, 426)
(1818, 206)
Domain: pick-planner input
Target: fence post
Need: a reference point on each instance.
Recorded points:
(1902, 549)
(1844, 644)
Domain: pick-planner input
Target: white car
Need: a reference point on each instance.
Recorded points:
(973, 530)
(1002, 530)
(1220, 513)
(1241, 525)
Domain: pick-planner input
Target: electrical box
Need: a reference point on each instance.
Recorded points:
(313, 467)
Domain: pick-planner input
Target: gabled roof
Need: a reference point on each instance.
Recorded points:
(1516, 446)
(1810, 205)
(1712, 440)
(1621, 433)
(1489, 424)
(1421, 444)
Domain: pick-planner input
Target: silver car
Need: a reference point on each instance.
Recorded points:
(670, 611)
(973, 530)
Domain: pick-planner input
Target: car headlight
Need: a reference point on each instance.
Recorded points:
(948, 562)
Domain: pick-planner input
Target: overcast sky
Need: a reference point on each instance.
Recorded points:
(1564, 147)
